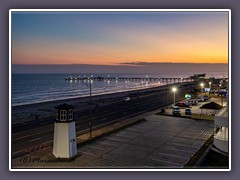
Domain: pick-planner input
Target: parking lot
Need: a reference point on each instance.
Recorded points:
(159, 142)
(196, 108)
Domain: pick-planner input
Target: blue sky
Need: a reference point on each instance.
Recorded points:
(103, 38)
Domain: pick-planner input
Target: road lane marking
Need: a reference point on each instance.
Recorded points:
(159, 153)
(167, 162)
(21, 137)
(116, 139)
(32, 135)
(183, 145)
(108, 144)
(103, 119)
(17, 152)
(96, 148)
(181, 150)
(119, 135)
(87, 153)
(34, 139)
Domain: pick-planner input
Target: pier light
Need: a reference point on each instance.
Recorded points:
(174, 90)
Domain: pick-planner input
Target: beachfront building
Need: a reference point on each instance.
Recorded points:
(221, 130)
(64, 143)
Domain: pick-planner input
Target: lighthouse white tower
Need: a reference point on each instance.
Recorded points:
(64, 144)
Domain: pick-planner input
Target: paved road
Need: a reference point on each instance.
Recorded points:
(31, 134)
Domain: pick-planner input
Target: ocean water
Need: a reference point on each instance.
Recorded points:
(33, 88)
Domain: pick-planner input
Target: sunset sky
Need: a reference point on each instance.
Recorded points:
(114, 38)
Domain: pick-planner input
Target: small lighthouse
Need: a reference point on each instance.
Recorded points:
(64, 143)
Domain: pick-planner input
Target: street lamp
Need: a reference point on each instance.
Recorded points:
(174, 89)
(202, 86)
(90, 101)
(210, 83)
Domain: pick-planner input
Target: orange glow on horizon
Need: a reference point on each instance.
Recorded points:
(70, 53)
(185, 42)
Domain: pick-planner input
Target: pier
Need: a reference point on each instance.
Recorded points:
(132, 79)
(193, 78)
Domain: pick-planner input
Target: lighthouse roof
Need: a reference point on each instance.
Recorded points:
(64, 106)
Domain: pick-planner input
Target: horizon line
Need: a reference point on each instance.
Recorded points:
(129, 63)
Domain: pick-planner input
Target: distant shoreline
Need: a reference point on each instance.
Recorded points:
(105, 95)
(94, 95)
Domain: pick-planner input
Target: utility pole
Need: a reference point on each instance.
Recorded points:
(222, 100)
(89, 84)
(90, 99)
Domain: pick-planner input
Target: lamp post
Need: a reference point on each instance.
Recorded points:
(202, 86)
(210, 84)
(90, 106)
(90, 99)
(174, 89)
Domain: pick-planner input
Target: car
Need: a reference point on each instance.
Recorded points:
(205, 98)
(126, 99)
(176, 111)
(188, 112)
(181, 104)
(193, 102)
(200, 99)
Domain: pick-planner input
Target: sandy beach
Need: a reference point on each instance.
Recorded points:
(23, 113)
